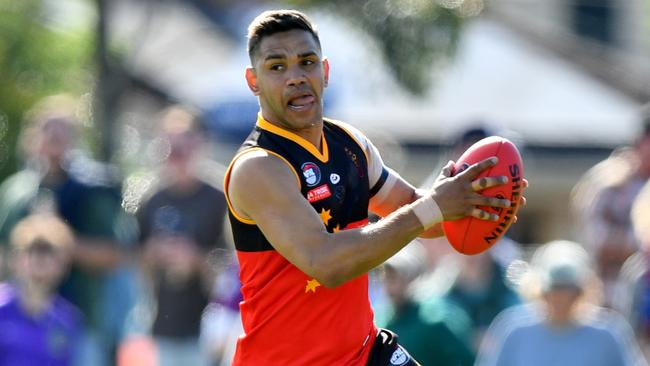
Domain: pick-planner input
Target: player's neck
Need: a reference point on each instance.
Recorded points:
(312, 134)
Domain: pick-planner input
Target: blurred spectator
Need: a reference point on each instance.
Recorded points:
(562, 327)
(602, 200)
(633, 300)
(466, 139)
(477, 284)
(38, 327)
(181, 227)
(57, 178)
(222, 326)
(436, 332)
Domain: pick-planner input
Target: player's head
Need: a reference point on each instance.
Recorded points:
(288, 72)
(276, 21)
(41, 246)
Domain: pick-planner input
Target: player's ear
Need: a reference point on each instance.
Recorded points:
(251, 80)
(326, 69)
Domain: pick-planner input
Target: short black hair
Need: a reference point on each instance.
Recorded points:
(277, 21)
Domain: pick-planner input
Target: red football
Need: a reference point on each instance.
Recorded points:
(470, 235)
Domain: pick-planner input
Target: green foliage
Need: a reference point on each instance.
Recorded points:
(35, 61)
(414, 35)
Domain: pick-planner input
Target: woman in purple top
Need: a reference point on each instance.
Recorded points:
(38, 327)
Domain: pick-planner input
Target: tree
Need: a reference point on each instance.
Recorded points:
(413, 35)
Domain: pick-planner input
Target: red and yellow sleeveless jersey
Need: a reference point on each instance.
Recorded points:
(288, 317)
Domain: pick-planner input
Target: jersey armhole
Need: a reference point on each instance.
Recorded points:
(350, 131)
(382, 188)
(226, 181)
(369, 151)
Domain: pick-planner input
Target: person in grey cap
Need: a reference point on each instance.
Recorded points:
(562, 327)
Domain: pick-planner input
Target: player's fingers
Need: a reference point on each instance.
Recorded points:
(522, 201)
(475, 169)
(524, 183)
(479, 200)
(487, 182)
(484, 215)
(448, 170)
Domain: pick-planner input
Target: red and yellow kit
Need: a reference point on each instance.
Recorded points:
(288, 317)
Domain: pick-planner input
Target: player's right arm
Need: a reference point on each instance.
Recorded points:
(264, 189)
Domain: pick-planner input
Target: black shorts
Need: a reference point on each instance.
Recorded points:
(387, 352)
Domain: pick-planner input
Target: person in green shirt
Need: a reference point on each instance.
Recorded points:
(435, 331)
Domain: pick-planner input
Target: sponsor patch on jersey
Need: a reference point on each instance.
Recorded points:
(335, 178)
(319, 193)
(399, 357)
(311, 173)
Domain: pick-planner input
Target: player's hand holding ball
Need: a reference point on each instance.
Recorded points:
(480, 194)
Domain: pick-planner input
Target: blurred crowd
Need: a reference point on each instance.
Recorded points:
(84, 281)
(87, 283)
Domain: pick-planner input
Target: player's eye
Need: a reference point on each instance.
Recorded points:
(308, 62)
(276, 67)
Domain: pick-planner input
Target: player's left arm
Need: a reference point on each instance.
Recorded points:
(396, 193)
(388, 190)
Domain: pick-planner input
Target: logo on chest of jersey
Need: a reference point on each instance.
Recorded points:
(319, 193)
(335, 178)
(311, 172)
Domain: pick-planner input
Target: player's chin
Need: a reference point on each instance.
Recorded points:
(306, 114)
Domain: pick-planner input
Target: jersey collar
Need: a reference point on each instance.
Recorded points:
(268, 126)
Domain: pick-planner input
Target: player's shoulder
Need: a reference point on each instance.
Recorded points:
(258, 164)
(256, 158)
(354, 132)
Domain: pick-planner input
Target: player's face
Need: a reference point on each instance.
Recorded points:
(289, 77)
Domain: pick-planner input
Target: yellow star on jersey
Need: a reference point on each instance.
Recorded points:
(336, 229)
(312, 285)
(325, 216)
